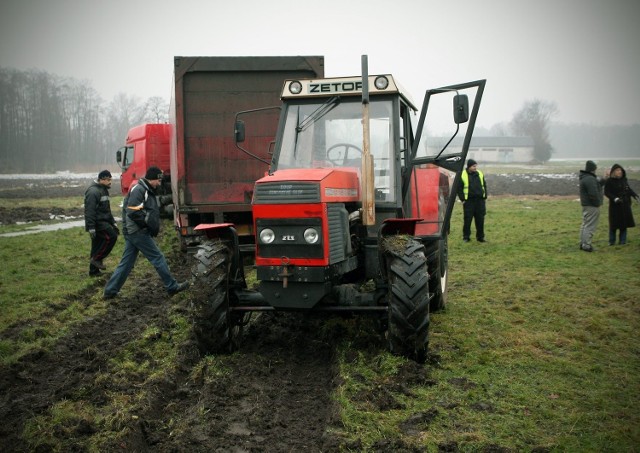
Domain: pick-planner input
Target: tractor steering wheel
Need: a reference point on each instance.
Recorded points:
(335, 160)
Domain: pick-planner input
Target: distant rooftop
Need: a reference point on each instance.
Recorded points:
(489, 142)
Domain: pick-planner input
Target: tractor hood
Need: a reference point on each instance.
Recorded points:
(305, 185)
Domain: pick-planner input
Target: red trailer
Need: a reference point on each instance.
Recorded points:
(212, 181)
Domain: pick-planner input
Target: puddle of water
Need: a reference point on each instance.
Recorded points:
(45, 228)
(48, 228)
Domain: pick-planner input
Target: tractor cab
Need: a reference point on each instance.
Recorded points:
(321, 126)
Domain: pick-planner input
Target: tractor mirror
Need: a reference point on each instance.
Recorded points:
(239, 131)
(119, 155)
(460, 108)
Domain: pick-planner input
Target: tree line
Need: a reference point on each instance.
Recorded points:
(50, 123)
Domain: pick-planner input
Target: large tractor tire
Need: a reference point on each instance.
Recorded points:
(215, 326)
(438, 265)
(408, 300)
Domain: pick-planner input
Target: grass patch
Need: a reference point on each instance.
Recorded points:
(632, 167)
(144, 364)
(39, 283)
(536, 349)
(45, 287)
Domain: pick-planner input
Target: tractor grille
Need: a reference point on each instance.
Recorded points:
(338, 232)
(286, 192)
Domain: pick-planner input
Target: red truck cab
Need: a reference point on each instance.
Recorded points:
(146, 145)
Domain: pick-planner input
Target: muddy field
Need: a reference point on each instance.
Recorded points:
(275, 397)
(74, 187)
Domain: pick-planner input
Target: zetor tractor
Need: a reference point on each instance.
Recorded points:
(353, 214)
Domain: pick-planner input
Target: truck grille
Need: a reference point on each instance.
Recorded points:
(286, 192)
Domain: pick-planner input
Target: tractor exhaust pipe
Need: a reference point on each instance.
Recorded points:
(368, 200)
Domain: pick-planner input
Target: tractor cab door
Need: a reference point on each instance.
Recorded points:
(438, 154)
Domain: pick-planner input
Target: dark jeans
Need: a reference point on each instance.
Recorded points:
(474, 208)
(623, 236)
(101, 246)
(139, 242)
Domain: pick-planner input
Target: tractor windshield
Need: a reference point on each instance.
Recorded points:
(329, 134)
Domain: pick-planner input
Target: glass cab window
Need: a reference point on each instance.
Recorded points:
(329, 135)
(127, 156)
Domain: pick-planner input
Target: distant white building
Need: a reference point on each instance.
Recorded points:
(503, 150)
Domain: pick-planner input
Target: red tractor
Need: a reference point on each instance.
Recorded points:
(353, 214)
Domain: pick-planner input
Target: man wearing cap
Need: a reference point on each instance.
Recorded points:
(140, 224)
(99, 221)
(591, 200)
(472, 192)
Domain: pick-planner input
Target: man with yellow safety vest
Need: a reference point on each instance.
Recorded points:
(472, 192)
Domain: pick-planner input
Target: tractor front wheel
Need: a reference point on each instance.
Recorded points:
(216, 327)
(438, 263)
(408, 300)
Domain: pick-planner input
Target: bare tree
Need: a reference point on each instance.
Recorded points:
(157, 110)
(83, 115)
(533, 120)
(50, 123)
(499, 130)
(123, 113)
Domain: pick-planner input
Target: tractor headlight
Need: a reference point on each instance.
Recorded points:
(311, 235)
(295, 87)
(381, 83)
(267, 236)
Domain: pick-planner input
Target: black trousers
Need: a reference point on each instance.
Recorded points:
(474, 209)
(101, 246)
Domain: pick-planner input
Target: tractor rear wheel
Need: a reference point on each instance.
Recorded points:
(215, 326)
(438, 263)
(408, 299)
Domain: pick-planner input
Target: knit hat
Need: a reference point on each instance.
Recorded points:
(471, 163)
(104, 174)
(153, 173)
(590, 166)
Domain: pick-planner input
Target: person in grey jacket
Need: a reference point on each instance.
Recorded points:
(591, 200)
(140, 224)
(99, 222)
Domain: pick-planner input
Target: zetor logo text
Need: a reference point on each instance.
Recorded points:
(335, 87)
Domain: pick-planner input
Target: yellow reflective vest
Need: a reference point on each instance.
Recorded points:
(465, 184)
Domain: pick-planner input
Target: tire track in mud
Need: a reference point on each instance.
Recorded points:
(275, 395)
(43, 378)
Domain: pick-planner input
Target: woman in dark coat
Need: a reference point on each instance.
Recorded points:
(617, 190)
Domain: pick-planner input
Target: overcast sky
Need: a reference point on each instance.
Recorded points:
(584, 55)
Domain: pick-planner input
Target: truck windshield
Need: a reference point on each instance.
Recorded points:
(334, 139)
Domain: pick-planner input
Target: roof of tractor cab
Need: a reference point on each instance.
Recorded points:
(344, 86)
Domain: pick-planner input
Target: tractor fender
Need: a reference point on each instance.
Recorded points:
(216, 230)
(399, 226)
(224, 231)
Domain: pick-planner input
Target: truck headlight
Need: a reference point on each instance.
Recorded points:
(267, 236)
(311, 235)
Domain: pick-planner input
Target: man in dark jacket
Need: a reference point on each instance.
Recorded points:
(140, 224)
(99, 221)
(591, 200)
(473, 193)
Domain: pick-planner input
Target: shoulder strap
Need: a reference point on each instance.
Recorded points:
(146, 192)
